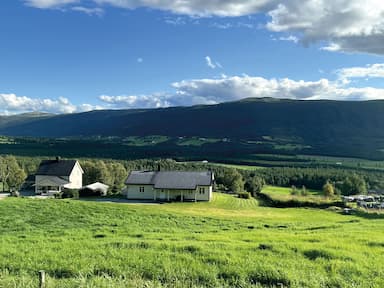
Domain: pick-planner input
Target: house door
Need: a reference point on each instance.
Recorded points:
(163, 195)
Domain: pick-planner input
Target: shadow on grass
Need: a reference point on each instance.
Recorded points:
(368, 214)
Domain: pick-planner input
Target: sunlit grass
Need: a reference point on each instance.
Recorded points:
(229, 242)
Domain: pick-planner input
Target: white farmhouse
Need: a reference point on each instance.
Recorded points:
(53, 176)
(169, 185)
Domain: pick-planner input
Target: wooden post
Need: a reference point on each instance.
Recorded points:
(196, 195)
(41, 279)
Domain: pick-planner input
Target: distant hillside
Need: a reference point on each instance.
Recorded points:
(6, 122)
(328, 127)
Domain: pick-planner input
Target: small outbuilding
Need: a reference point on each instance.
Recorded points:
(94, 189)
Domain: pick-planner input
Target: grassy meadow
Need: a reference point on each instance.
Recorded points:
(229, 242)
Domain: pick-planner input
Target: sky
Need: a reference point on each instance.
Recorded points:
(69, 56)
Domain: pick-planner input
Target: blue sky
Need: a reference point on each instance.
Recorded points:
(66, 56)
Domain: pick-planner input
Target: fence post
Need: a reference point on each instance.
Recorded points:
(41, 279)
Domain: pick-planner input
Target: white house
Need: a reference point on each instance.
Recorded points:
(169, 185)
(53, 176)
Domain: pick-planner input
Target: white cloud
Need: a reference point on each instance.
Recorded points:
(12, 104)
(49, 3)
(347, 25)
(89, 11)
(176, 21)
(155, 100)
(229, 25)
(290, 38)
(236, 88)
(196, 8)
(213, 91)
(199, 8)
(211, 64)
(369, 71)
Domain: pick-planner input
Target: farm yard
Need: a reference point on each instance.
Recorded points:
(369, 202)
(228, 242)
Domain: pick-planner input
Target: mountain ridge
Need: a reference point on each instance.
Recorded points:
(322, 124)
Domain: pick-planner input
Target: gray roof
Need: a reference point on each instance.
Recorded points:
(141, 177)
(56, 167)
(170, 179)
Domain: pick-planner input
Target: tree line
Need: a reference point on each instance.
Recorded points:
(14, 170)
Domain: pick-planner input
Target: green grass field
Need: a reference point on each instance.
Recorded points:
(229, 242)
(241, 167)
(283, 197)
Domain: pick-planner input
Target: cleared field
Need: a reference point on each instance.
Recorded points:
(285, 195)
(286, 191)
(229, 242)
(242, 167)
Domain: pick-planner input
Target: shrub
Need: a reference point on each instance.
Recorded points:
(58, 195)
(328, 189)
(89, 193)
(70, 193)
(294, 190)
(244, 195)
(15, 193)
(304, 191)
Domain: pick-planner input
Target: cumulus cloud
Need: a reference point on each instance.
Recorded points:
(369, 71)
(11, 104)
(155, 100)
(213, 91)
(347, 25)
(236, 88)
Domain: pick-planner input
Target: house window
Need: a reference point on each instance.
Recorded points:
(141, 189)
(202, 190)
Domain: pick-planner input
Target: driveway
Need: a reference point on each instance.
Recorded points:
(4, 195)
(120, 200)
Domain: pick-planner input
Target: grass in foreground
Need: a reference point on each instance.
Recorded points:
(226, 243)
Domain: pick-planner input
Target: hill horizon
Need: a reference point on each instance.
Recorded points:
(328, 127)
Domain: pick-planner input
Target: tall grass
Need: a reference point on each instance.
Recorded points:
(229, 242)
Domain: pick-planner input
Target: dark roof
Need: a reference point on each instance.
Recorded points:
(56, 167)
(30, 178)
(170, 179)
